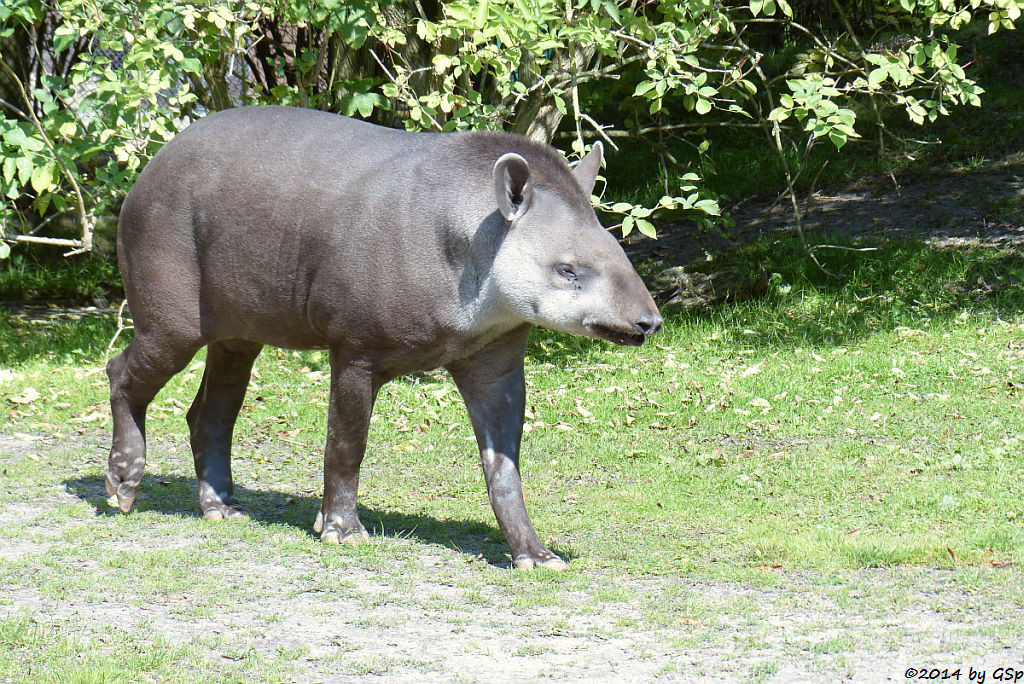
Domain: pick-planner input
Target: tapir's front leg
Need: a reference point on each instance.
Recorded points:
(494, 389)
(353, 391)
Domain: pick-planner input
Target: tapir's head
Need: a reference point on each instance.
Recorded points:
(557, 266)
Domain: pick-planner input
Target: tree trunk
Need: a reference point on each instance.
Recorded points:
(539, 118)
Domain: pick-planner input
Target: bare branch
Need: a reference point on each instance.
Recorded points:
(871, 95)
(844, 248)
(599, 130)
(35, 239)
(606, 133)
(774, 132)
(121, 327)
(13, 108)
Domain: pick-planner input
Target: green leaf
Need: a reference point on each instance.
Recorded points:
(15, 137)
(708, 206)
(63, 37)
(627, 225)
(703, 106)
(645, 227)
(5, 250)
(191, 65)
(354, 26)
(613, 11)
(43, 177)
(643, 87)
(25, 169)
(547, 45)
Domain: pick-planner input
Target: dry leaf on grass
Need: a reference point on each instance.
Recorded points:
(28, 395)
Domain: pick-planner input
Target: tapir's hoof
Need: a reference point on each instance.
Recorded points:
(335, 536)
(221, 512)
(122, 496)
(337, 533)
(553, 563)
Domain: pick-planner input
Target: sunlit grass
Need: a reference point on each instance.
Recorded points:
(855, 423)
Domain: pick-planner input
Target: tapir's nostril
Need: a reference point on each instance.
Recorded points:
(648, 324)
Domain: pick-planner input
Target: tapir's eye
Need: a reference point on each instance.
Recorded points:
(566, 271)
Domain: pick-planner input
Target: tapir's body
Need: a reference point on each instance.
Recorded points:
(396, 251)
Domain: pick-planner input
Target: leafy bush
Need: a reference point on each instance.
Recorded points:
(90, 89)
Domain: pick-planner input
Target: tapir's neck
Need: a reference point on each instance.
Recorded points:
(471, 246)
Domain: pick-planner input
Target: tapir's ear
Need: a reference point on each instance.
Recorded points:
(586, 171)
(512, 187)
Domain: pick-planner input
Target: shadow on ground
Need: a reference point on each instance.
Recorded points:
(176, 495)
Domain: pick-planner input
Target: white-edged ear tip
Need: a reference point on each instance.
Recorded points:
(510, 157)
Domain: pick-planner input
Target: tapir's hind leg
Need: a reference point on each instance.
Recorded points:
(136, 375)
(211, 421)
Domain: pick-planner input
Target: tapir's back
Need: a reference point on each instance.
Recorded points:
(228, 225)
(271, 165)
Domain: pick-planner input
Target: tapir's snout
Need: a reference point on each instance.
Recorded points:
(648, 323)
(624, 333)
(625, 313)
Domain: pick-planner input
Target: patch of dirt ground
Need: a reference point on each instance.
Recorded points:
(437, 614)
(797, 630)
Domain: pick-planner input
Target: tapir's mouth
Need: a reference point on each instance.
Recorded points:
(627, 339)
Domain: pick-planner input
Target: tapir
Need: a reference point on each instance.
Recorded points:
(394, 251)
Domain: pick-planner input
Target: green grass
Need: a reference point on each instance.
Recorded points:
(873, 421)
(35, 650)
(34, 274)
